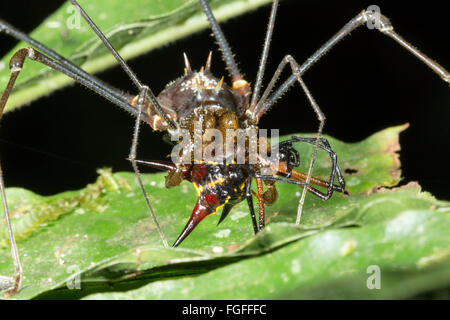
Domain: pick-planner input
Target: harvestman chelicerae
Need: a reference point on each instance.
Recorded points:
(257, 107)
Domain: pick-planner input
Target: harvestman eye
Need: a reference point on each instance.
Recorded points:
(199, 96)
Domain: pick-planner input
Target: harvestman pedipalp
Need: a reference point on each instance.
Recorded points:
(147, 105)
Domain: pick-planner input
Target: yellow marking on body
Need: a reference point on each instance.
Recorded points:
(198, 189)
(219, 207)
(242, 186)
(213, 183)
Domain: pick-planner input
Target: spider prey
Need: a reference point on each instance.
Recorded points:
(200, 97)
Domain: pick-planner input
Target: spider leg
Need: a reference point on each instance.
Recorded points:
(18, 60)
(145, 95)
(290, 181)
(150, 97)
(265, 53)
(227, 55)
(19, 35)
(16, 65)
(132, 159)
(335, 171)
(382, 24)
(259, 196)
(256, 110)
(9, 283)
(158, 164)
(239, 85)
(249, 197)
(298, 179)
(259, 109)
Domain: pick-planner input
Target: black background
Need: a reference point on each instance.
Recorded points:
(365, 84)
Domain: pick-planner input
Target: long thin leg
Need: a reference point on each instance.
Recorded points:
(63, 65)
(116, 96)
(19, 57)
(19, 35)
(265, 53)
(12, 285)
(132, 158)
(302, 184)
(262, 210)
(300, 176)
(157, 164)
(383, 25)
(106, 42)
(285, 168)
(144, 94)
(16, 65)
(335, 171)
(148, 93)
(222, 41)
(259, 110)
(249, 197)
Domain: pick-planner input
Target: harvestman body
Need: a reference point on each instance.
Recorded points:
(201, 95)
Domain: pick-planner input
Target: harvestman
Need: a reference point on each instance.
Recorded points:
(146, 105)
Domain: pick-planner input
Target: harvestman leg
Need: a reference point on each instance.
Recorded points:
(382, 23)
(55, 61)
(259, 110)
(8, 283)
(335, 171)
(227, 55)
(261, 207)
(132, 158)
(236, 75)
(255, 113)
(249, 196)
(16, 65)
(145, 94)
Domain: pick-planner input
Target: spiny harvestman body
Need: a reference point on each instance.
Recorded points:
(235, 107)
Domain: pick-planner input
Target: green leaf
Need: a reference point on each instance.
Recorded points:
(133, 27)
(410, 248)
(104, 235)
